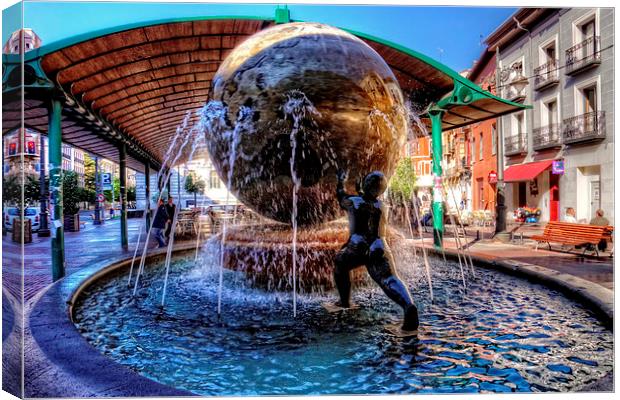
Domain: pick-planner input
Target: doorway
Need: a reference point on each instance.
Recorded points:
(554, 197)
(522, 194)
(595, 197)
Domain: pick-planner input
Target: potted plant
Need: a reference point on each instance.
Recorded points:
(14, 187)
(71, 197)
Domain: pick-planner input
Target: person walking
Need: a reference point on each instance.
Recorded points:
(159, 223)
(171, 210)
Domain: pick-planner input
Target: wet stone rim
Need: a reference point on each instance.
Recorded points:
(62, 345)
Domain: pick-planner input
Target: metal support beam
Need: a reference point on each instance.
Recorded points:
(55, 154)
(98, 220)
(122, 156)
(438, 228)
(44, 230)
(147, 193)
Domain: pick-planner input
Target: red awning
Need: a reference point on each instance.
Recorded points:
(525, 172)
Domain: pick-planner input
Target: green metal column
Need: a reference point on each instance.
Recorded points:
(122, 156)
(438, 228)
(147, 193)
(55, 157)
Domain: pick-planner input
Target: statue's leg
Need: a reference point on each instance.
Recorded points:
(346, 260)
(381, 270)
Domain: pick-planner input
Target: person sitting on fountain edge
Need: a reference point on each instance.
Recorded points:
(366, 246)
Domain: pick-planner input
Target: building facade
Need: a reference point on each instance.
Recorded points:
(456, 166)
(559, 154)
(30, 150)
(483, 141)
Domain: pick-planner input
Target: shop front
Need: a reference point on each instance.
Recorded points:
(533, 191)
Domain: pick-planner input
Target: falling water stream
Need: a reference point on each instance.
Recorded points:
(297, 107)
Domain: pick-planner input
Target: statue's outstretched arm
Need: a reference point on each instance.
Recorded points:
(342, 195)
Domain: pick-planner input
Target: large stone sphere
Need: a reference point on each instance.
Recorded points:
(312, 88)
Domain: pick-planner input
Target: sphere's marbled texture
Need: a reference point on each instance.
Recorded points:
(328, 91)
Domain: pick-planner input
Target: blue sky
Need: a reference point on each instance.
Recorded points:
(451, 35)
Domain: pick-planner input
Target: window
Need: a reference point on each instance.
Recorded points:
(481, 147)
(587, 29)
(589, 99)
(518, 124)
(493, 139)
(550, 52)
(214, 180)
(551, 112)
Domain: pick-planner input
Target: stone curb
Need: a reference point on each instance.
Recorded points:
(596, 297)
(63, 347)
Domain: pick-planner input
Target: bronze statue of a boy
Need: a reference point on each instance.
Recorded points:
(367, 247)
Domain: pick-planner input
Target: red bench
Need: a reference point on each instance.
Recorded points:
(571, 234)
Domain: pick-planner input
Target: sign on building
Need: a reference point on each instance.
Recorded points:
(557, 168)
(106, 181)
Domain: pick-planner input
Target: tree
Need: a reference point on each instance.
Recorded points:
(403, 182)
(71, 193)
(12, 190)
(194, 185)
(116, 186)
(89, 172)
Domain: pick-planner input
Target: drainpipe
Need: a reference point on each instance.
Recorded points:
(55, 155)
(500, 205)
(438, 228)
(122, 155)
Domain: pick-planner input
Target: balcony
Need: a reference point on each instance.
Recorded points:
(583, 56)
(516, 144)
(584, 128)
(547, 137)
(546, 75)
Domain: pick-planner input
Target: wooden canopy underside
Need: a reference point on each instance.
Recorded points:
(145, 80)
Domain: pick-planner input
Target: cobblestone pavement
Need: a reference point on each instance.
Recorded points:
(595, 269)
(93, 242)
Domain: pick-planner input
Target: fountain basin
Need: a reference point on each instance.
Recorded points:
(504, 334)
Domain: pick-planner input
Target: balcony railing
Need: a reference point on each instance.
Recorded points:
(584, 55)
(546, 137)
(546, 75)
(516, 144)
(584, 128)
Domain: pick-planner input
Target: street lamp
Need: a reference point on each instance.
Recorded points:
(518, 84)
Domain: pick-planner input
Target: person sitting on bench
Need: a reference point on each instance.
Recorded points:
(600, 220)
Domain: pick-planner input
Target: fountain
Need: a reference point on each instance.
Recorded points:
(290, 107)
(321, 87)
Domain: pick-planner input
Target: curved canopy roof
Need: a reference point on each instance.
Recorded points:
(137, 83)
